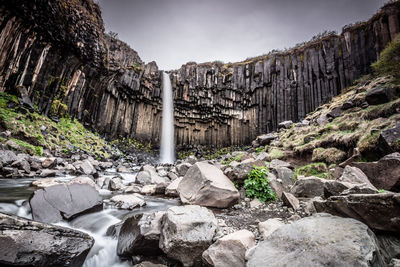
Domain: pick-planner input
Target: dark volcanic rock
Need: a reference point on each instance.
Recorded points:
(388, 139)
(380, 95)
(58, 202)
(28, 243)
(378, 211)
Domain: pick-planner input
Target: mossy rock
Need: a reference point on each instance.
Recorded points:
(328, 155)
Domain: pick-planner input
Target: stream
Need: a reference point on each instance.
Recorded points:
(15, 193)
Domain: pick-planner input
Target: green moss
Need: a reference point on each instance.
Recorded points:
(318, 169)
(31, 149)
(276, 153)
(235, 158)
(389, 61)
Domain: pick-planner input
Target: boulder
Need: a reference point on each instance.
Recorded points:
(230, 250)
(379, 95)
(22, 164)
(129, 201)
(277, 163)
(335, 112)
(379, 211)
(48, 173)
(191, 159)
(354, 175)
(172, 188)
(83, 180)
(186, 232)
(183, 168)
(49, 163)
(46, 182)
(335, 188)
(148, 175)
(319, 240)
(140, 235)
(269, 226)
(308, 187)
(28, 243)
(115, 184)
(206, 185)
(85, 167)
(265, 139)
(285, 124)
(238, 172)
(54, 203)
(290, 201)
(7, 157)
(384, 174)
(387, 141)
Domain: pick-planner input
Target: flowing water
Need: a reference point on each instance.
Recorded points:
(167, 150)
(14, 195)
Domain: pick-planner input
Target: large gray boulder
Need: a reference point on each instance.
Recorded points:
(319, 240)
(355, 176)
(230, 250)
(378, 211)
(240, 171)
(28, 243)
(7, 157)
(57, 202)
(140, 235)
(186, 232)
(308, 187)
(265, 139)
(128, 201)
(206, 185)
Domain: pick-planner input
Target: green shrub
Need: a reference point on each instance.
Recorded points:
(235, 158)
(389, 61)
(257, 185)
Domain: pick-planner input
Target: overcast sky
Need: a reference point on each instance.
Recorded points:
(173, 32)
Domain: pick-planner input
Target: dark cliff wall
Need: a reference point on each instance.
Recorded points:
(227, 104)
(59, 52)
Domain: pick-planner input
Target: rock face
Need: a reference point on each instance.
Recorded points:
(378, 211)
(27, 243)
(187, 231)
(54, 203)
(140, 235)
(206, 185)
(103, 82)
(320, 240)
(230, 250)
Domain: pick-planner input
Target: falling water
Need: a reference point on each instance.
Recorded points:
(167, 151)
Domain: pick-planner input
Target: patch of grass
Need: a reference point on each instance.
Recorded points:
(318, 169)
(31, 149)
(257, 185)
(276, 153)
(328, 155)
(260, 149)
(235, 158)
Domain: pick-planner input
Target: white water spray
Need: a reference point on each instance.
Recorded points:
(167, 150)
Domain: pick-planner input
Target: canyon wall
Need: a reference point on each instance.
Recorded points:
(59, 52)
(227, 104)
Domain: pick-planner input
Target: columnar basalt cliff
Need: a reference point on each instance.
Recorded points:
(59, 52)
(227, 104)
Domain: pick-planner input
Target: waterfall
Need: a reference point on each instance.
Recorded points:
(167, 151)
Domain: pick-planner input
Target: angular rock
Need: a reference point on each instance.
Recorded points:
(335, 188)
(140, 235)
(115, 184)
(319, 240)
(266, 139)
(378, 211)
(290, 201)
(335, 112)
(384, 174)
(285, 124)
(7, 157)
(230, 250)
(49, 163)
(46, 182)
(22, 164)
(187, 231)
(172, 188)
(85, 167)
(83, 180)
(183, 168)
(206, 185)
(269, 226)
(308, 187)
(277, 163)
(129, 201)
(380, 95)
(354, 175)
(28, 243)
(240, 171)
(58, 202)
(153, 189)
(48, 173)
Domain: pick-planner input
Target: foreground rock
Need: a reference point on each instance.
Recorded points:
(320, 240)
(187, 231)
(148, 175)
(140, 235)
(27, 243)
(269, 226)
(230, 250)
(206, 185)
(378, 211)
(54, 203)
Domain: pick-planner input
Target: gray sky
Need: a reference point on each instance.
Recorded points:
(173, 32)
